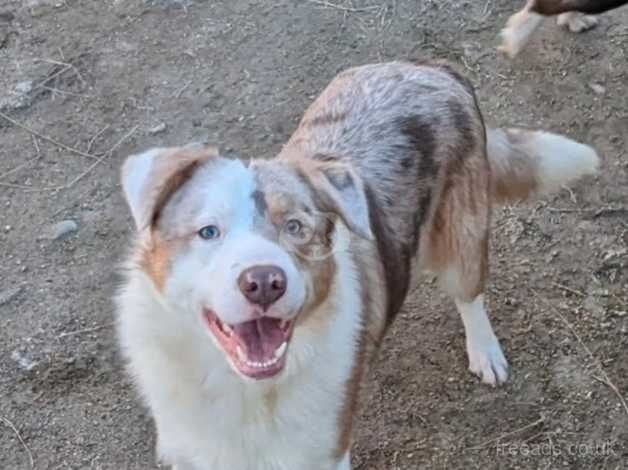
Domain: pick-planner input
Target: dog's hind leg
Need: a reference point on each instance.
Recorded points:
(577, 22)
(464, 280)
(486, 358)
(518, 31)
(455, 247)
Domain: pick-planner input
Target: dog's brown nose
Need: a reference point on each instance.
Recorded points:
(263, 285)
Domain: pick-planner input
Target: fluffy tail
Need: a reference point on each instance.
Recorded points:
(528, 163)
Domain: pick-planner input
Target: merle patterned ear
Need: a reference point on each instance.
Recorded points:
(150, 178)
(343, 192)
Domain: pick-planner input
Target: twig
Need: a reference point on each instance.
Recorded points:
(606, 379)
(180, 91)
(486, 11)
(93, 139)
(98, 161)
(86, 330)
(63, 92)
(46, 138)
(572, 196)
(19, 167)
(466, 65)
(19, 437)
(610, 211)
(508, 434)
(559, 210)
(65, 65)
(24, 187)
(569, 289)
(52, 76)
(54, 62)
(36, 144)
(341, 7)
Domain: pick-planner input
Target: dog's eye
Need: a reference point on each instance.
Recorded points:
(294, 227)
(209, 232)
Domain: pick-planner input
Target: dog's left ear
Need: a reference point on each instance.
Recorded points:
(342, 191)
(150, 178)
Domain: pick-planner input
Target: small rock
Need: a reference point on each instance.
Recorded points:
(63, 229)
(24, 87)
(7, 228)
(158, 129)
(19, 97)
(8, 295)
(597, 88)
(23, 361)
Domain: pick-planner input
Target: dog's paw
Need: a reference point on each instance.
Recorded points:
(509, 46)
(487, 361)
(577, 22)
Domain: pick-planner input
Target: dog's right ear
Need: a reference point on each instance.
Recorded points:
(150, 178)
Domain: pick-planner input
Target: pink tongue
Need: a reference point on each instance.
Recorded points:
(260, 338)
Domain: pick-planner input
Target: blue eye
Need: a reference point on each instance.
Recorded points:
(293, 227)
(209, 232)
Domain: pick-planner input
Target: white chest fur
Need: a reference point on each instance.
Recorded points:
(210, 419)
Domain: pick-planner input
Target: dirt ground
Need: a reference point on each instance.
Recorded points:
(107, 78)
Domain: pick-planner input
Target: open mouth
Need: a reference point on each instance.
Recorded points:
(256, 348)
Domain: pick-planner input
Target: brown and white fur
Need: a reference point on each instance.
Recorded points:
(390, 170)
(576, 15)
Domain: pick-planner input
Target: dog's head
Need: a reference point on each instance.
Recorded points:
(247, 251)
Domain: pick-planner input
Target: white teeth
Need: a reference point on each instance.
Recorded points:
(256, 365)
(279, 353)
(261, 365)
(281, 350)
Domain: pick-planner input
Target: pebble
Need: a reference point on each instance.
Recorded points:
(18, 98)
(23, 361)
(597, 88)
(168, 3)
(63, 229)
(159, 128)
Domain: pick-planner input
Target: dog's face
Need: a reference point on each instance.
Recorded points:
(247, 250)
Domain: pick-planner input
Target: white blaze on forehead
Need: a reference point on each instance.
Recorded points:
(217, 195)
(205, 274)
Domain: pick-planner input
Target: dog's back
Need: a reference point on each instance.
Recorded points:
(406, 129)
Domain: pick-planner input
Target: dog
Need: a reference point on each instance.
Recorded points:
(576, 15)
(258, 291)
